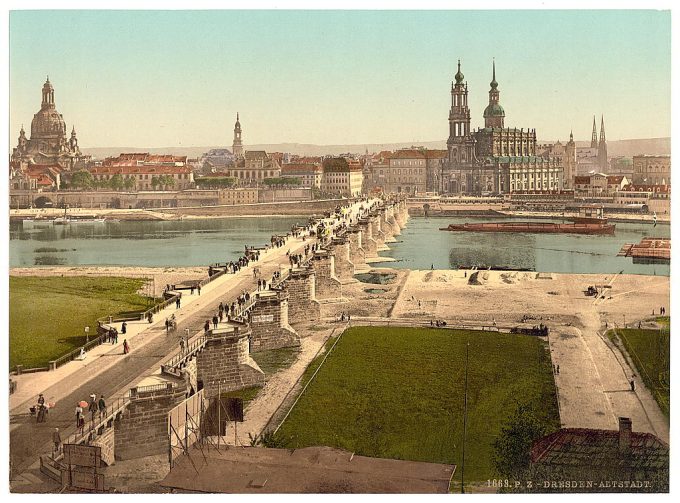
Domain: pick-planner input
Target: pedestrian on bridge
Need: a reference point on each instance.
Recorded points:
(79, 414)
(56, 439)
(206, 327)
(181, 345)
(215, 320)
(126, 347)
(102, 407)
(123, 330)
(178, 302)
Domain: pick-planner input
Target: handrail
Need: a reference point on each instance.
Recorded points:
(176, 361)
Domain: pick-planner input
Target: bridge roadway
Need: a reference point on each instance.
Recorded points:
(29, 440)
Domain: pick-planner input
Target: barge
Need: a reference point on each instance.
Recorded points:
(534, 227)
(648, 251)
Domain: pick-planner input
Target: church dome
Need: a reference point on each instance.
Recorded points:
(47, 122)
(494, 110)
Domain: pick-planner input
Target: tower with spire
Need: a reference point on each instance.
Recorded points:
(569, 162)
(237, 145)
(494, 115)
(460, 144)
(593, 138)
(602, 149)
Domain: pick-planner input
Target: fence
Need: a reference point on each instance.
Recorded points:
(174, 364)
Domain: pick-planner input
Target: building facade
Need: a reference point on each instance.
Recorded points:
(342, 177)
(146, 169)
(255, 166)
(48, 143)
(652, 169)
(493, 159)
(309, 174)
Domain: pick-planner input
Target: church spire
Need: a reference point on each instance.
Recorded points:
(494, 115)
(602, 136)
(593, 138)
(237, 145)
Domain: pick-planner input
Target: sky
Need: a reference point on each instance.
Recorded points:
(178, 78)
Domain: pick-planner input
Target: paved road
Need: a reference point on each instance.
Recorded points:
(29, 439)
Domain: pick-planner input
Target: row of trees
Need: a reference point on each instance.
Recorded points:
(84, 180)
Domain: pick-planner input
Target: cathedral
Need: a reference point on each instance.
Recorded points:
(48, 144)
(493, 159)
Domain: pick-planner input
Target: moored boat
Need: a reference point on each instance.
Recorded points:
(534, 227)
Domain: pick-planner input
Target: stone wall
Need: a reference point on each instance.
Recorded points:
(142, 429)
(106, 441)
(191, 375)
(225, 363)
(328, 285)
(301, 289)
(269, 323)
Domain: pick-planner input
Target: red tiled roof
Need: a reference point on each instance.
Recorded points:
(663, 189)
(408, 154)
(581, 180)
(614, 179)
(300, 168)
(590, 447)
(436, 154)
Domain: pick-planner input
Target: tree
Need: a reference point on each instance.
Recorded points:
(155, 182)
(117, 181)
(513, 445)
(129, 183)
(82, 180)
(167, 181)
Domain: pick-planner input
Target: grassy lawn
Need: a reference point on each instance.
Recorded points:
(398, 393)
(650, 352)
(48, 315)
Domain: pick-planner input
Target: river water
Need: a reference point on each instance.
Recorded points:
(420, 246)
(142, 243)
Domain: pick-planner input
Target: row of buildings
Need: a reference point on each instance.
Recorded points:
(491, 160)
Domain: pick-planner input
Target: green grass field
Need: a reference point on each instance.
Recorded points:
(48, 315)
(650, 352)
(398, 393)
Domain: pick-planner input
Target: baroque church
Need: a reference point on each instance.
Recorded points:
(48, 144)
(494, 159)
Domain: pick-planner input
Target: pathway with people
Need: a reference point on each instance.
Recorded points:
(111, 373)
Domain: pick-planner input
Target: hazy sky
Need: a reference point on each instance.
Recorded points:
(159, 78)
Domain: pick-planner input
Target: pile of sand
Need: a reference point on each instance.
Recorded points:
(478, 278)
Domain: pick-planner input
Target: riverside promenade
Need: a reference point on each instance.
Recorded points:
(106, 371)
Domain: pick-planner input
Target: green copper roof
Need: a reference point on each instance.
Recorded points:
(494, 110)
(459, 75)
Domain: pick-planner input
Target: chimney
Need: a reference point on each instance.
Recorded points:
(625, 431)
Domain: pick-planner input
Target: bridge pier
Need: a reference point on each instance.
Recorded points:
(356, 252)
(269, 322)
(301, 288)
(369, 245)
(142, 429)
(344, 267)
(328, 285)
(225, 364)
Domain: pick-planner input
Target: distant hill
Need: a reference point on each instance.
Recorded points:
(626, 148)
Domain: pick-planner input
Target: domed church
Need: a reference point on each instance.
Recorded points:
(48, 143)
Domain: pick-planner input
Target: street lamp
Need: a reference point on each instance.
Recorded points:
(87, 334)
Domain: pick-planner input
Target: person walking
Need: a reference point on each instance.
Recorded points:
(198, 287)
(102, 407)
(167, 326)
(181, 345)
(206, 327)
(126, 347)
(93, 406)
(123, 330)
(79, 414)
(177, 303)
(215, 320)
(56, 440)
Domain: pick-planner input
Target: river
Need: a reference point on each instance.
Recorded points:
(420, 246)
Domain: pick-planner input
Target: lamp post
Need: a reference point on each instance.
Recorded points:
(462, 471)
(87, 334)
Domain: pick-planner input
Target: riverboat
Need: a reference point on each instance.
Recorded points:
(534, 228)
